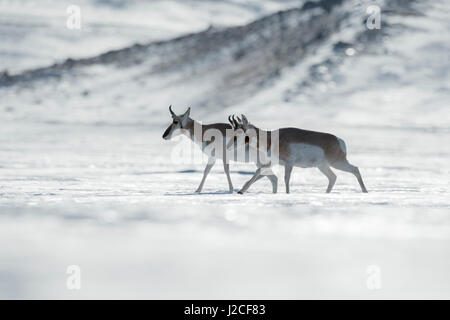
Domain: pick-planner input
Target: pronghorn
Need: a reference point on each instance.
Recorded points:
(198, 133)
(296, 148)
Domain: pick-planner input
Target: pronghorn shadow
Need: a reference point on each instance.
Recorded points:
(199, 194)
(166, 172)
(188, 171)
(244, 172)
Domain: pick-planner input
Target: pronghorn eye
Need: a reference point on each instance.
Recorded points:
(175, 122)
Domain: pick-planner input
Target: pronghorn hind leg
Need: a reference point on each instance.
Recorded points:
(287, 175)
(347, 167)
(205, 174)
(226, 168)
(325, 169)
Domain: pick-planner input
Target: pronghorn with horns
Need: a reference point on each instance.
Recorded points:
(296, 148)
(198, 133)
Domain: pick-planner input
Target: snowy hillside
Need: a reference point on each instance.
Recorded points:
(86, 179)
(35, 33)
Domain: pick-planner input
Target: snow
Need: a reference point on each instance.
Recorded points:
(105, 198)
(86, 179)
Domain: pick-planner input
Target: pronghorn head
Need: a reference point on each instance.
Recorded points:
(178, 124)
(240, 127)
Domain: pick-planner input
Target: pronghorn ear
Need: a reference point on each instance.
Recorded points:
(244, 120)
(185, 116)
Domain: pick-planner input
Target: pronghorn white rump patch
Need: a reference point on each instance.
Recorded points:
(343, 146)
(306, 155)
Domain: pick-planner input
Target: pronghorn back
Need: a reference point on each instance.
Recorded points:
(332, 147)
(222, 127)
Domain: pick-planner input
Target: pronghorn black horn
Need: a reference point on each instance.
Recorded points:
(171, 111)
(236, 124)
(231, 121)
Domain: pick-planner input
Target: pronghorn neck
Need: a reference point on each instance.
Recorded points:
(263, 138)
(193, 130)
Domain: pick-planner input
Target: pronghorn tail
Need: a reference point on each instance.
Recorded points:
(343, 146)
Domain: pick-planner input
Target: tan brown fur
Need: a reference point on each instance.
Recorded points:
(197, 133)
(333, 148)
(327, 142)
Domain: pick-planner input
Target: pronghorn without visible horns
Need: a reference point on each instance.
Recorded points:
(296, 148)
(198, 133)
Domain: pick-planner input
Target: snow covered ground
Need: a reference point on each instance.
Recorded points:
(87, 180)
(106, 199)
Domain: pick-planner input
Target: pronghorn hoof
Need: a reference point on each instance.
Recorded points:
(240, 192)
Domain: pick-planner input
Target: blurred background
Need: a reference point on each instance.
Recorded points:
(86, 179)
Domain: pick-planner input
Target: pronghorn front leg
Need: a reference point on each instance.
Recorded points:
(273, 179)
(259, 174)
(226, 168)
(267, 172)
(208, 167)
(251, 181)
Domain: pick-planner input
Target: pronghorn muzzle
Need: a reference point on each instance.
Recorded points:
(166, 134)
